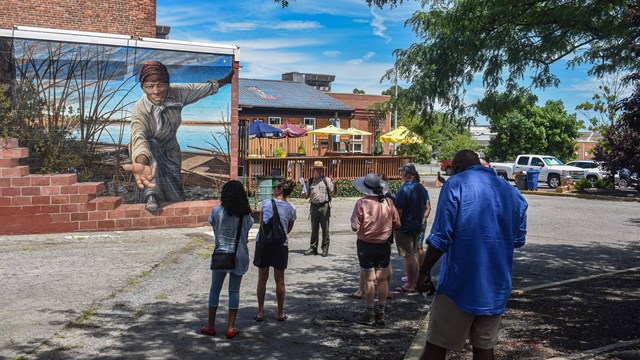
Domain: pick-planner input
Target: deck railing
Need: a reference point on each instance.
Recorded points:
(336, 166)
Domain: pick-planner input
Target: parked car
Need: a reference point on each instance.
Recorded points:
(594, 170)
(628, 179)
(551, 169)
(445, 166)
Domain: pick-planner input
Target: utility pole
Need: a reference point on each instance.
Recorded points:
(395, 105)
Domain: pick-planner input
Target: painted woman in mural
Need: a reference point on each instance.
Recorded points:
(155, 118)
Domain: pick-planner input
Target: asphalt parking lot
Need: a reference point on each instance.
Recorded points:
(143, 294)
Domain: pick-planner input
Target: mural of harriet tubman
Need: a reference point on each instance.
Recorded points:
(155, 118)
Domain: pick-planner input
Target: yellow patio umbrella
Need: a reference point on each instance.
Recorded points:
(329, 130)
(401, 135)
(356, 132)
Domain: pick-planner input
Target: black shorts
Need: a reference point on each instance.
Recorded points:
(373, 256)
(271, 256)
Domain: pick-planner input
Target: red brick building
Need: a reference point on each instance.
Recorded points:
(128, 17)
(364, 113)
(585, 144)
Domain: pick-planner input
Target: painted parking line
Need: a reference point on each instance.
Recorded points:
(569, 281)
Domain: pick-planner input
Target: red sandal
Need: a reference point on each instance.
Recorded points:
(232, 333)
(205, 330)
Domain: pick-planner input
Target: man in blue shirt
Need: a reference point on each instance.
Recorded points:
(480, 220)
(411, 201)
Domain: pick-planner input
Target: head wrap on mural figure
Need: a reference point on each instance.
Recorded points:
(154, 67)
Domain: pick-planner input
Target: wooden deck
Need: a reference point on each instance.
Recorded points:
(336, 166)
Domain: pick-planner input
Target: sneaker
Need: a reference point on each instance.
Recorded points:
(311, 251)
(380, 318)
(404, 279)
(366, 318)
(151, 204)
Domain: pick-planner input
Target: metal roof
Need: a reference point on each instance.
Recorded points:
(285, 95)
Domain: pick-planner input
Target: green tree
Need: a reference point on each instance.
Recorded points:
(358, 91)
(456, 143)
(619, 145)
(604, 110)
(506, 40)
(548, 130)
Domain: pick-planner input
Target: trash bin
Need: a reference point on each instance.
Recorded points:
(266, 184)
(532, 179)
(521, 181)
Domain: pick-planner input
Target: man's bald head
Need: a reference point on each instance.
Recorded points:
(464, 159)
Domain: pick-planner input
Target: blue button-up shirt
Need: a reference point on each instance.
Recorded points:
(479, 221)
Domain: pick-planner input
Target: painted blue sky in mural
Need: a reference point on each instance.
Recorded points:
(345, 38)
(117, 69)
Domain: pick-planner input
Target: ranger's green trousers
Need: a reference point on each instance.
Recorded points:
(320, 216)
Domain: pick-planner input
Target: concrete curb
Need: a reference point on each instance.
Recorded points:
(581, 196)
(415, 350)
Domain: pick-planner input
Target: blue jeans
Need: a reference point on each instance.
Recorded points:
(234, 289)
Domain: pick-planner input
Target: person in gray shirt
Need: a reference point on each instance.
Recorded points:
(319, 191)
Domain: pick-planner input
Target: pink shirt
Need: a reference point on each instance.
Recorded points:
(374, 221)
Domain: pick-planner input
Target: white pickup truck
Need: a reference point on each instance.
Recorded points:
(551, 169)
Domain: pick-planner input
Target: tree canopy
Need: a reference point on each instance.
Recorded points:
(619, 145)
(547, 130)
(505, 41)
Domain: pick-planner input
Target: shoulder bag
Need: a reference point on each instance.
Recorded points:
(227, 261)
(271, 231)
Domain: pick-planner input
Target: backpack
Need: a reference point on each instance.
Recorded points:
(324, 180)
(272, 233)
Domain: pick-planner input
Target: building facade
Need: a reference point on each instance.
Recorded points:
(129, 17)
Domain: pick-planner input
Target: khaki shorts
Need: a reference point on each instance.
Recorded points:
(449, 327)
(407, 244)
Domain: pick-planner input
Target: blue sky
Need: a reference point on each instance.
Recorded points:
(345, 38)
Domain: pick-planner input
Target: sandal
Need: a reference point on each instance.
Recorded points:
(354, 296)
(283, 317)
(403, 290)
(258, 318)
(232, 333)
(205, 330)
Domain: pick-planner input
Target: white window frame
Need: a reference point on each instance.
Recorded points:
(353, 148)
(312, 120)
(272, 120)
(336, 123)
(356, 138)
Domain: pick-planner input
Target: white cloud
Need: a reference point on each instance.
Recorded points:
(294, 25)
(224, 26)
(362, 59)
(331, 53)
(232, 26)
(378, 26)
(361, 21)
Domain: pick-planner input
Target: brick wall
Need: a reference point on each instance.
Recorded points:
(127, 17)
(363, 105)
(31, 204)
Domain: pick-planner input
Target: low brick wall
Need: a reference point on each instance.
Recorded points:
(33, 204)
